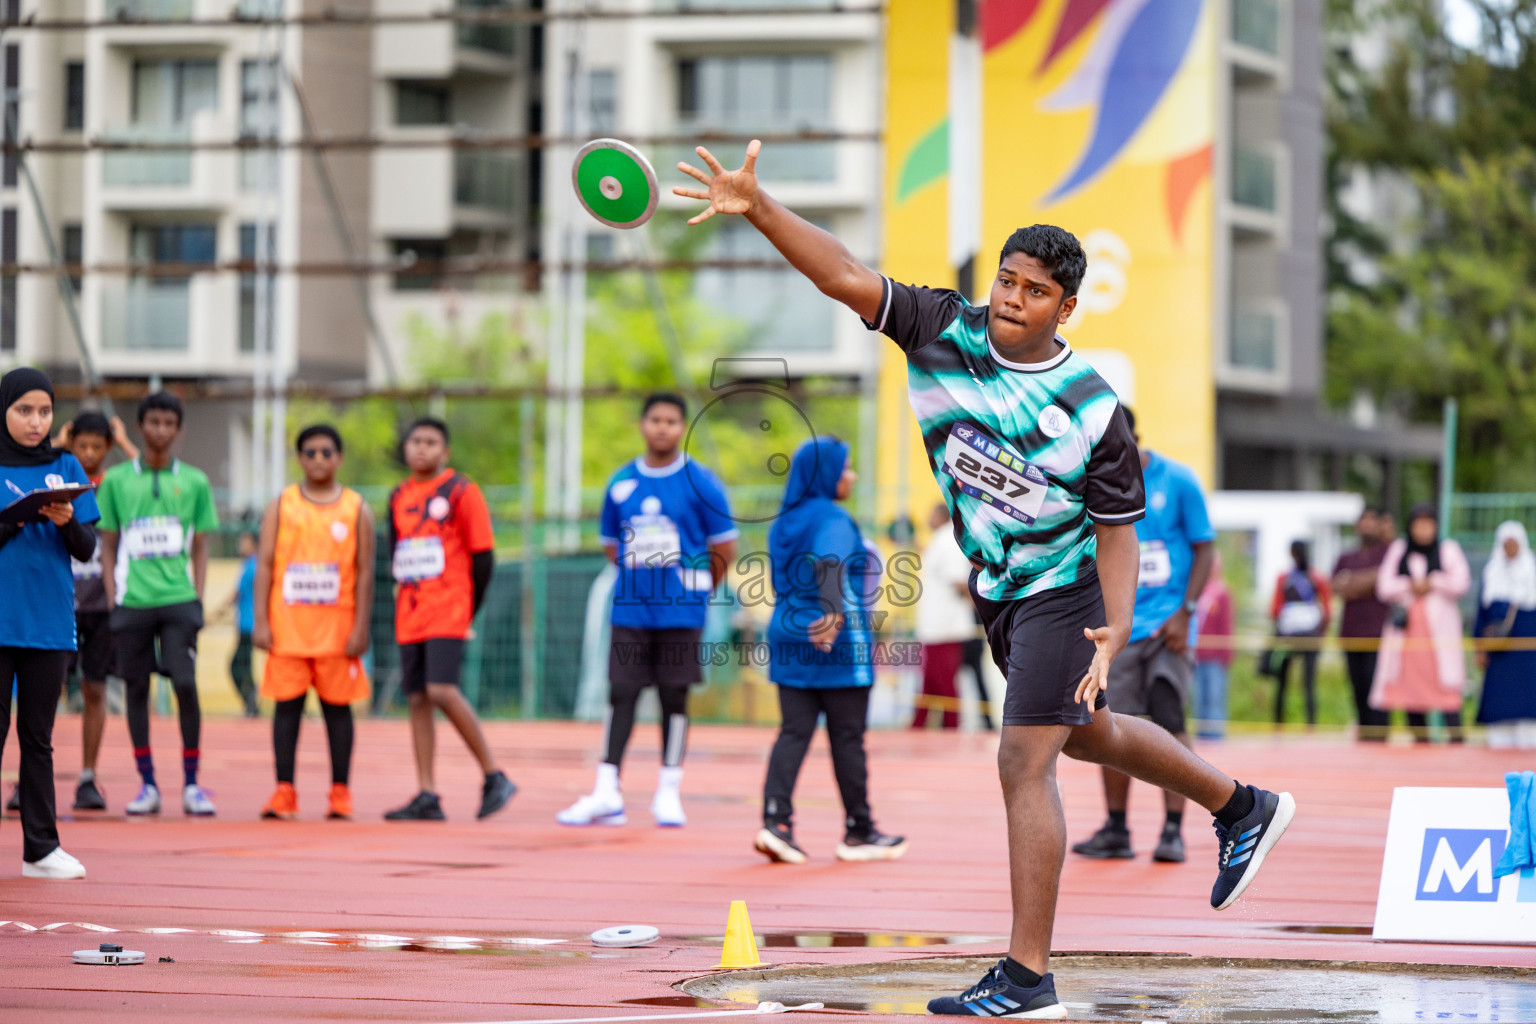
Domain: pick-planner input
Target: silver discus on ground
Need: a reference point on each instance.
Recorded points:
(623, 935)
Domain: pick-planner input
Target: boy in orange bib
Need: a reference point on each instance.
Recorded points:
(314, 592)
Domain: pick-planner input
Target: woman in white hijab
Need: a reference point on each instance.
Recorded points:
(1507, 611)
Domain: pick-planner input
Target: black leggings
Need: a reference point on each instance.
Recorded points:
(1308, 661)
(286, 718)
(622, 698)
(135, 632)
(39, 677)
(847, 711)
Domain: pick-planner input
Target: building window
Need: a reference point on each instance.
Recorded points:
(783, 93)
(74, 96)
(418, 103)
(11, 111)
(774, 309)
(72, 242)
(248, 289)
(258, 97)
(1255, 340)
(603, 105)
(169, 92)
(410, 252)
(8, 281)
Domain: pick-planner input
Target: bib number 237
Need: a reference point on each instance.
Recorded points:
(989, 472)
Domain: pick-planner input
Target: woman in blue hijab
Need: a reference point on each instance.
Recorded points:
(821, 650)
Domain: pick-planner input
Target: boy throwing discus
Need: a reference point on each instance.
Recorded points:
(1044, 483)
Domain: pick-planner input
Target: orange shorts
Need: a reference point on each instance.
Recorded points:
(338, 680)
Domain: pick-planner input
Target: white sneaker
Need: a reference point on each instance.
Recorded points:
(194, 801)
(595, 809)
(57, 864)
(667, 807)
(147, 802)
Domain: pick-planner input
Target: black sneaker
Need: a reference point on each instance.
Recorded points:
(423, 807)
(1108, 843)
(776, 841)
(88, 797)
(1170, 848)
(871, 845)
(497, 791)
(14, 803)
(1242, 848)
(996, 996)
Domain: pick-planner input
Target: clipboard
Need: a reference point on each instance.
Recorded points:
(28, 507)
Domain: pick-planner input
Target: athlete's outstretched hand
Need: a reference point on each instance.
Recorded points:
(1097, 679)
(725, 191)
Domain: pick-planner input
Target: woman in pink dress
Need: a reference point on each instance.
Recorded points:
(1422, 666)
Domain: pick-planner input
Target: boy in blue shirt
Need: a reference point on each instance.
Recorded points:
(667, 525)
(243, 603)
(1151, 677)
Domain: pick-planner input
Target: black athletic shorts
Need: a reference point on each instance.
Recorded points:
(93, 642)
(1038, 643)
(430, 661)
(159, 640)
(638, 658)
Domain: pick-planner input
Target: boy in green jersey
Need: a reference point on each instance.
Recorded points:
(1044, 485)
(157, 512)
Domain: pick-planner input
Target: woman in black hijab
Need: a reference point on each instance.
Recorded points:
(37, 603)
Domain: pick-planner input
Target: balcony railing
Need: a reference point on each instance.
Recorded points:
(1254, 179)
(1256, 24)
(148, 168)
(484, 180)
(143, 314)
(1255, 337)
(497, 38)
(149, 10)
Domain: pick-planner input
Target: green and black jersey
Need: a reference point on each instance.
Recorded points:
(1028, 456)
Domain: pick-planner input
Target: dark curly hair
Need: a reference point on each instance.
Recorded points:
(1056, 248)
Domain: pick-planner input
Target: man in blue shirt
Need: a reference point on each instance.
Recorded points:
(243, 603)
(667, 525)
(1151, 677)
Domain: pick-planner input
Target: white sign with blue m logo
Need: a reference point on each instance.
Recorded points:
(1437, 882)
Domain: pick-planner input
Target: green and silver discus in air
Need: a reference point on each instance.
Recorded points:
(615, 182)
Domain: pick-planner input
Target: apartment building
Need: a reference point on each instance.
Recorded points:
(731, 71)
(1273, 431)
(170, 237)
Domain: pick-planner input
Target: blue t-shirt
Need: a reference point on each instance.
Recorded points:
(663, 520)
(247, 610)
(39, 608)
(1176, 519)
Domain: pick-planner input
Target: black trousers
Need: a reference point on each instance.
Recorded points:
(135, 631)
(971, 653)
(847, 711)
(1362, 673)
(39, 677)
(1308, 660)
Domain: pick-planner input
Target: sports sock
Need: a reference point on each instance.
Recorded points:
(87, 775)
(146, 764)
(189, 760)
(1019, 974)
(1117, 820)
(1174, 821)
(1239, 807)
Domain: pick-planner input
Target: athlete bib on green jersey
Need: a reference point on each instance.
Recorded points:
(156, 514)
(1029, 456)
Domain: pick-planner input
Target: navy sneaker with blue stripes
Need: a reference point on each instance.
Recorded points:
(1242, 848)
(996, 996)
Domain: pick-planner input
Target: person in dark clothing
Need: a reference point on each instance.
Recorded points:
(37, 613)
(1354, 579)
(820, 651)
(1300, 609)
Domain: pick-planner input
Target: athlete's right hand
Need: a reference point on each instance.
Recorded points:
(261, 636)
(824, 632)
(1096, 681)
(726, 191)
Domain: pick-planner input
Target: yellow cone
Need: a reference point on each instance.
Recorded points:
(740, 949)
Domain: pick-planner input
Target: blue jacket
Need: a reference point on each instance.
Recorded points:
(820, 562)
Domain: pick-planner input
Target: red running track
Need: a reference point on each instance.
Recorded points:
(522, 876)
